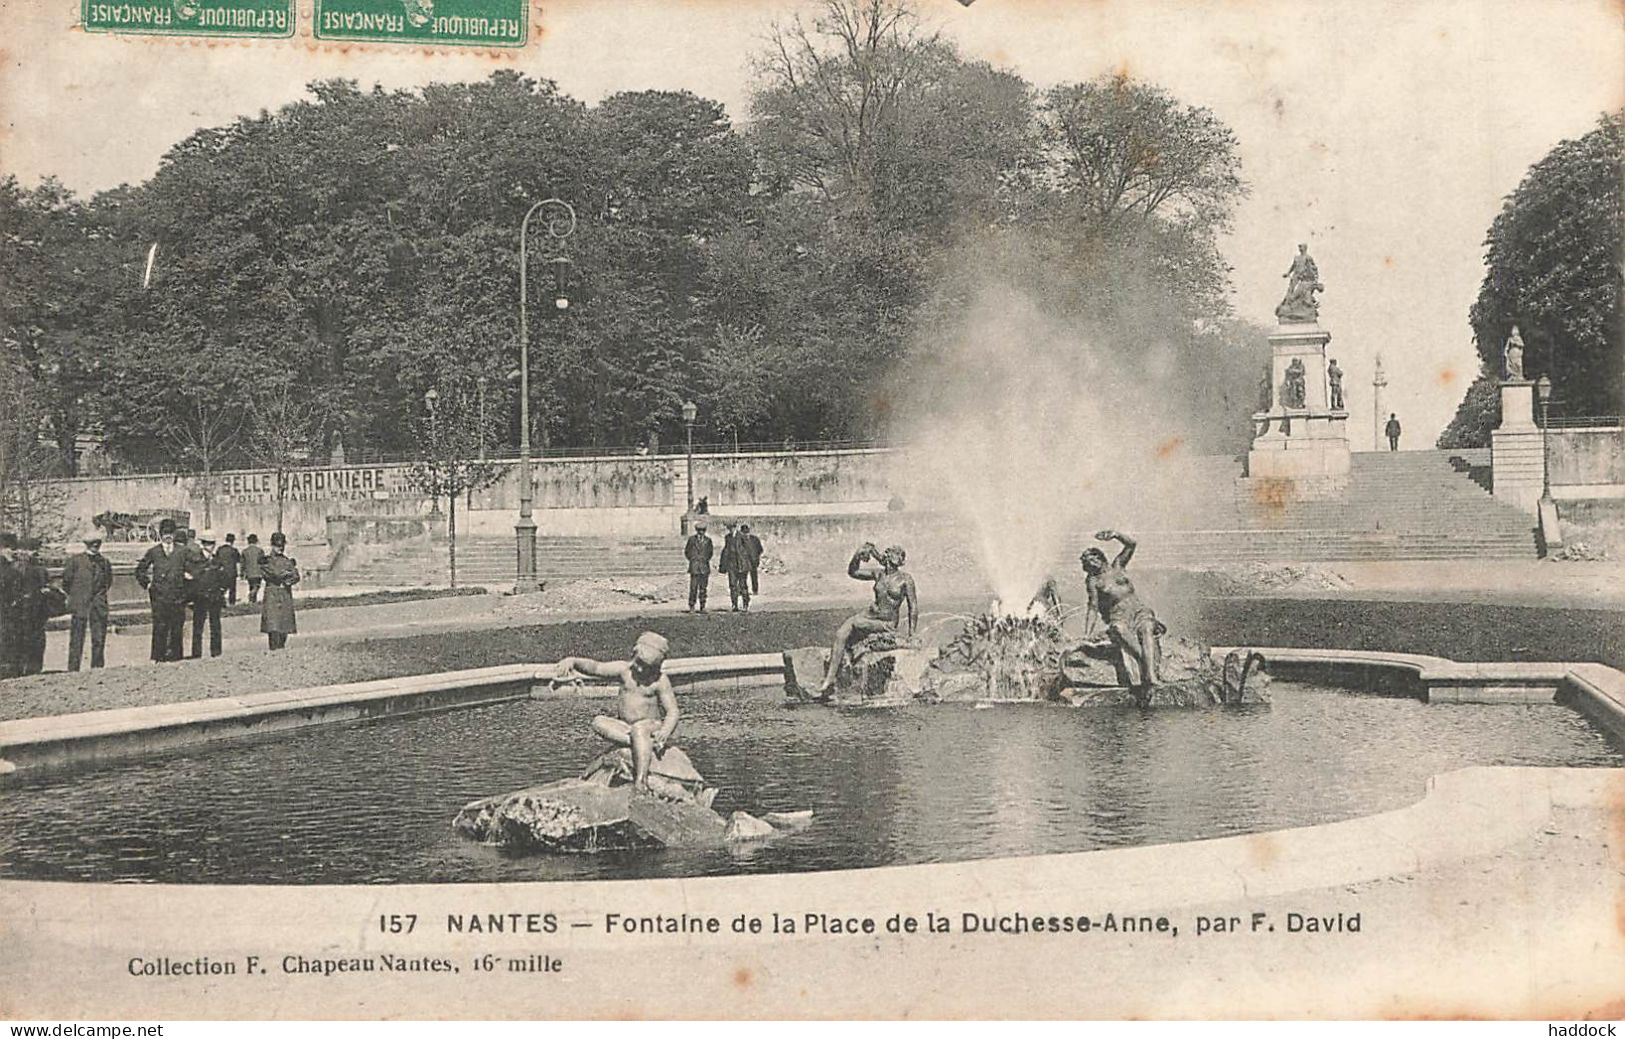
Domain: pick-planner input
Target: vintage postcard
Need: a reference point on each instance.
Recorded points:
(813, 509)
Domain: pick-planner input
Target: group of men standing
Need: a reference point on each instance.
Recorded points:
(741, 560)
(180, 572)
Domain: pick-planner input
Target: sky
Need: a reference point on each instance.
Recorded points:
(1383, 134)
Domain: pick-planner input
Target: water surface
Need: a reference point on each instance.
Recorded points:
(373, 802)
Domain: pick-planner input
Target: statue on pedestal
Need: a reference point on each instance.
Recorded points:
(1512, 356)
(1294, 391)
(1299, 305)
(1334, 380)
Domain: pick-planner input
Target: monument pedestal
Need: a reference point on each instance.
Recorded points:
(1517, 453)
(1305, 441)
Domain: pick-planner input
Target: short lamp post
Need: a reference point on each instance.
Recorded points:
(1543, 390)
(691, 411)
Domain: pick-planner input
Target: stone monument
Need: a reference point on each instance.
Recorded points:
(1517, 453)
(1303, 435)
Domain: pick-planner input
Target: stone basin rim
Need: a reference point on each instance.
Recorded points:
(59, 740)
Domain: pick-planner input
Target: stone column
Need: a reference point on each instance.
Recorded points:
(1517, 453)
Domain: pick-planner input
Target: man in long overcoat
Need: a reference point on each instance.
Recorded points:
(162, 572)
(697, 550)
(87, 578)
(35, 605)
(281, 573)
(752, 546)
(11, 619)
(734, 564)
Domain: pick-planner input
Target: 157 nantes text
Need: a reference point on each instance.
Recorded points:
(177, 964)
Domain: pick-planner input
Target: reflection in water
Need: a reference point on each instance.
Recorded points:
(374, 802)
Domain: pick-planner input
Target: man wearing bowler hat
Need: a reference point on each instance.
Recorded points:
(35, 598)
(232, 559)
(86, 578)
(697, 550)
(162, 572)
(207, 571)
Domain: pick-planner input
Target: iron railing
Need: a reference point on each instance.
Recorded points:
(1585, 421)
(510, 452)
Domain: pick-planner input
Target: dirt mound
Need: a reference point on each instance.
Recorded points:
(597, 593)
(1582, 552)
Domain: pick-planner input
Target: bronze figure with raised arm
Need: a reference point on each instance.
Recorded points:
(1129, 621)
(893, 590)
(648, 714)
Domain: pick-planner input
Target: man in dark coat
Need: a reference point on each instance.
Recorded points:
(1391, 431)
(87, 577)
(162, 572)
(11, 619)
(34, 605)
(280, 572)
(698, 551)
(752, 546)
(207, 572)
(733, 564)
(253, 563)
(230, 558)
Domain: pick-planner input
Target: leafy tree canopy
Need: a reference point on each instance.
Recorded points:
(354, 248)
(1552, 266)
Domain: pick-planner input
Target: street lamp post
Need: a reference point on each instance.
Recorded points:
(431, 400)
(691, 411)
(561, 224)
(480, 382)
(1543, 389)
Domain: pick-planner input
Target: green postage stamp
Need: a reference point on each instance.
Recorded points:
(465, 23)
(273, 18)
(468, 23)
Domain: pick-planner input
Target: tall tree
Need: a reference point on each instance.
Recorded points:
(206, 436)
(449, 462)
(29, 503)
(283, 424)
(1553, 267)
(1127, 148)
(833, 89)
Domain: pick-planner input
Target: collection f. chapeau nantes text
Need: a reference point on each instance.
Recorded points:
(813, 923)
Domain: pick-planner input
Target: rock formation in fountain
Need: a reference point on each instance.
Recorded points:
(601, 811)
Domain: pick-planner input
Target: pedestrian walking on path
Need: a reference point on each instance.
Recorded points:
(280, 573)
(734, 564)
(1391, 430)
(753, 556)
(232, 558)
(253, 562)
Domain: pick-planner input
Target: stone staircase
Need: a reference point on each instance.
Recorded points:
(1394, 506)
